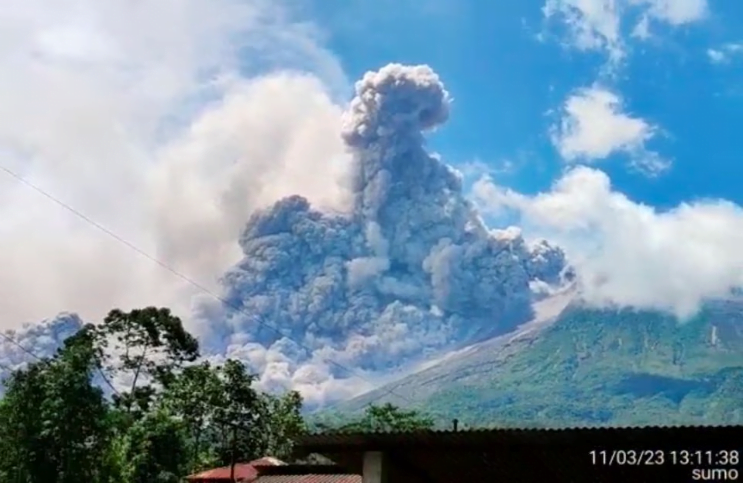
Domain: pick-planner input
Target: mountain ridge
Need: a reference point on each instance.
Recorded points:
(585, 367)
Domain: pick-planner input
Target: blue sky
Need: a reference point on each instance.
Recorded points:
(507, 67)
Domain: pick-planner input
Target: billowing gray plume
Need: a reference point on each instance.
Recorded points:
(410, 271)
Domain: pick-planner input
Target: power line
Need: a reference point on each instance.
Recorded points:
(180, 275)
(20, 346)
(36, 356)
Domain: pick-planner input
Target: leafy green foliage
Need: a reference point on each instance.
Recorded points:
(221, 408)
(23, 444)
(177, 417)
(195, 396)
(53, 420)
(383, 418)
(591, 367)
(154, 450)
(285, 423)
(152, 346)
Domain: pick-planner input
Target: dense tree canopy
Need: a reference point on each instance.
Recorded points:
(53, 421)
(175, 416)
(62, 419)
(382, 418)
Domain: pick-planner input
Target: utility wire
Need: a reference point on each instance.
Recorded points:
(36, 356)
(20, 346)
(180, 275)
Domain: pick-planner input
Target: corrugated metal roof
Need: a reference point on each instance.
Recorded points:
(309, 478)
(514, 455)
(509, 436)
(244, 472)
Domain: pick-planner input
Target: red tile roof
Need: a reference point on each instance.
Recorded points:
(306, 473)
(246, 472)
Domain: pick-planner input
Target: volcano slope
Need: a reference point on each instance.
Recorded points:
(585, 367)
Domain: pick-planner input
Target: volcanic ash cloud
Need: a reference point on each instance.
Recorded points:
(410, 270)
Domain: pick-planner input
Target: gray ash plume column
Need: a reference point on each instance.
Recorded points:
(410, 270)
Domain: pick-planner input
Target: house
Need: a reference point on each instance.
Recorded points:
(310, 473)
(641, 454)
(272, 470)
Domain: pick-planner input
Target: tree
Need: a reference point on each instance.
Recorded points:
(247, 414)
(56, 425)
(388, 418)
(215, 402)
(149, 345)
(195, 396)
(153, 450)
(53, 420)
(22, 446)
(285, 423)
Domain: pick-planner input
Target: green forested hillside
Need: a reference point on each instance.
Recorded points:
(590, 367)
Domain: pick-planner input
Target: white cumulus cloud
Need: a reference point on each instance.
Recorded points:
(593, 126)
(165, 122)
(673, 12)
(592, 24)
(600, 25)
(627, 253)
(724, 53)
